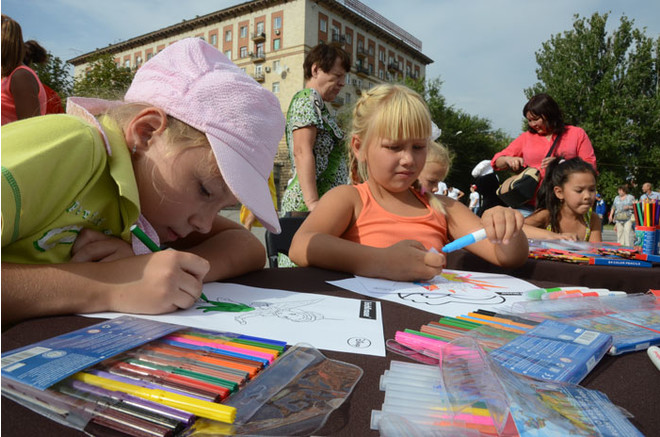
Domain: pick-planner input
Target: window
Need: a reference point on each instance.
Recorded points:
(260, 27)
(228, 54)
(381, 56)
(347, 97)
(138, 61)
(149, 55)
(214, 39)
(276, 66)
(381, 75)
(243, 31)
(277, 23)
(347, 79)
(227, 35)
(335, 30)
(127, 63)
(260, 49)
(323, 25)
(276, 87)
(258, 69)
(276, 44)
(243, 52)
(371, 69)
(349, 39)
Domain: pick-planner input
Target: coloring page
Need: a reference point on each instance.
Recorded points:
(452, 293)
(355, 325)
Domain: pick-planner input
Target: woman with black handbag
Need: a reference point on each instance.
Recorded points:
(546, 138)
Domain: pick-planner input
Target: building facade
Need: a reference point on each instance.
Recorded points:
(269, 39)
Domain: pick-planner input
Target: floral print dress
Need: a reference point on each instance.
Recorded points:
(308, 109)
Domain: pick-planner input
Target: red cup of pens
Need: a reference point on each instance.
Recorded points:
(646, 239)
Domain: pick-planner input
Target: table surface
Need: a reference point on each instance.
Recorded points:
(630, 381)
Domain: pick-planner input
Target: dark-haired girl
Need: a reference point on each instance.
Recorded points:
(565, 203)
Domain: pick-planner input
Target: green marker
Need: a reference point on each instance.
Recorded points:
(144, 238)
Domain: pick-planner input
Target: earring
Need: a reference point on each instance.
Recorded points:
(134, 149)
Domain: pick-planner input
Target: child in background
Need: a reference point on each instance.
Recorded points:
(565, 203)
(474, 199)
(193, 135)
(384, 227)
(438, 162)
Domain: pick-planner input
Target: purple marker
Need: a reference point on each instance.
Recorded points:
(164, 410)
(141, 383)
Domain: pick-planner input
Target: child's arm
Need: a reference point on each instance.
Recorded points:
(149, 284)
(231, 249)
(596, 234)
(318, 243)
(506, 243)
(536, 224)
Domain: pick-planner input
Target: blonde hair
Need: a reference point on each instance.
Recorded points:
(178, 134)
(387, 111)
(436, 152)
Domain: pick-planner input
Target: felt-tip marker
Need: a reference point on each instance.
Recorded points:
(465, 240)
(144, 238)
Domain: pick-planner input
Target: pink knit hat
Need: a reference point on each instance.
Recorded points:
(195, 83)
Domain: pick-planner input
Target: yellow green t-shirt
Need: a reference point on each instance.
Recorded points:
(58, 178)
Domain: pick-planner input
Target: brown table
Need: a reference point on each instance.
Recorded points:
(631, 381)
(628, 279)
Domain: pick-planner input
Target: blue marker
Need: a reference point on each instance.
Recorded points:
(465, 240)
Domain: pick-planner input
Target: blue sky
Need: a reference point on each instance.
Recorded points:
(483, 50)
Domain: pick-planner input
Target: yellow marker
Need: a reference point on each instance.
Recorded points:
(198, 407)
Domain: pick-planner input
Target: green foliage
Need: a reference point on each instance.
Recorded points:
(470, 138)
(608, 84)
(55, 74)
(103, 79)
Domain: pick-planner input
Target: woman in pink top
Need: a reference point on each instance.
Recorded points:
(545, 122)
(385, 227)
(23, 95)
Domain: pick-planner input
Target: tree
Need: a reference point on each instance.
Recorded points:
(55, 74)
(103, 79)
(609, 86)
(470, 138)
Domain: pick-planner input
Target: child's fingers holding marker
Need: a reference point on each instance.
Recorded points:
(157, 283)
(501, 224)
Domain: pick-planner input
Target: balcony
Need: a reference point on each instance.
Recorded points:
(257, 57)
(259, 36)
(361, 52)
(394, 67)
(361, 70)
(337, 37)
(259, 77)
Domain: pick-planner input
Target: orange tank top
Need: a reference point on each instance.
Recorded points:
(377, 227)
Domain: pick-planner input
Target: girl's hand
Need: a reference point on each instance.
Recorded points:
(408, 260)
(568, 236)
(91, 246)
(501, 224)
(158, 283)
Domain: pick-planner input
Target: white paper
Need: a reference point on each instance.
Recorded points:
(452, 293)
(325, 322)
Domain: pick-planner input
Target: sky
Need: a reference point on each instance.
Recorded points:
(483, 50)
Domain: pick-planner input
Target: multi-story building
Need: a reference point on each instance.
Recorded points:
(269, 39)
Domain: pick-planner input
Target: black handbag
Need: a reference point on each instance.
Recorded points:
(520, 189)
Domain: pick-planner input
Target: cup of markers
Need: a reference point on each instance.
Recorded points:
(647, 231)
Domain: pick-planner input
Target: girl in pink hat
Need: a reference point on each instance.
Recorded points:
(193, 135)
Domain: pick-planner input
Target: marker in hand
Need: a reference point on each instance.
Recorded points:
(465, 240)
(144, 238)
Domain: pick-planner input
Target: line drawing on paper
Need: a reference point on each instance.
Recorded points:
(451, 287)
(291, 311)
